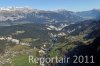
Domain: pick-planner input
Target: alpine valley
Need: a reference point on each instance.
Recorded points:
(26, 31)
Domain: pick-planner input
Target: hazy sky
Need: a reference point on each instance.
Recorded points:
(73, 5)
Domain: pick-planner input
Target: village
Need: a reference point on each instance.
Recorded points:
(42, 51)
(16, 41)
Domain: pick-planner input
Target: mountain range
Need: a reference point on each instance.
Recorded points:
(22, 15)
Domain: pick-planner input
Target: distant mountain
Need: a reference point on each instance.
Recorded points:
(13, 16)
(91, 14)
(22, 15)
(37, 16)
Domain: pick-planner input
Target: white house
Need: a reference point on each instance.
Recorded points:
(15, 41)
(41, 52)
(9, 38)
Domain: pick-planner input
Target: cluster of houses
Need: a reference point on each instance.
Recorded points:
(16, 41)
(13, 40)
(2, 38)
